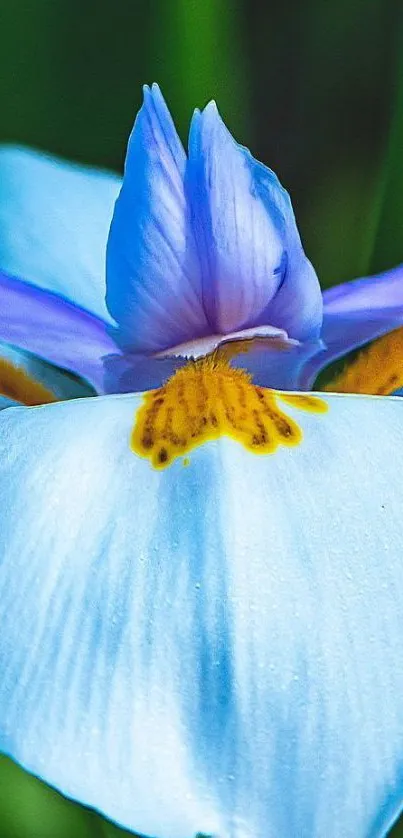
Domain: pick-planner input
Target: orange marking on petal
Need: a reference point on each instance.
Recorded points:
(17, 384)
(377, 370)
(303, 401)
(207, 399)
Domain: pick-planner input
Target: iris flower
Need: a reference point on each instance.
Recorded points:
(203, 250)
(201, 605)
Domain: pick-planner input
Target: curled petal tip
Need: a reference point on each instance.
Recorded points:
(147, 94)
(211, 108)
(157, 97)
(152, 96)
(214, 125)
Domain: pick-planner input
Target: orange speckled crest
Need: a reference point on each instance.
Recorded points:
(377, 370)
(18, 385)
(207, 399)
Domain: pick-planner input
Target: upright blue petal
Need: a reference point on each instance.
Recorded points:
(254, 268)
(207, 649)
(54, 222)
(153, 275)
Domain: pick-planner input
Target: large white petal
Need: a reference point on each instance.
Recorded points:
(214, 648)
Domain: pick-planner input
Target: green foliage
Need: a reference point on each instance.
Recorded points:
(388, 241)
(29, 809)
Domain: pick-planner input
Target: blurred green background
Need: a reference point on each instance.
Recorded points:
(315, 89)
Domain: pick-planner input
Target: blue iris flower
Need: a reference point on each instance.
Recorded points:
(202, 250)
(212, 646)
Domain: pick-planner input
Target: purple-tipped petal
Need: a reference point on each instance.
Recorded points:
(356, 313)
(253, 265)
(153, 275)
(381, 293)
(53, 329)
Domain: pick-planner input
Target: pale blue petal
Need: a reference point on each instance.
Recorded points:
(254, 268)
(5, 402)
(54, 222)
(206, 649)
(153, 274)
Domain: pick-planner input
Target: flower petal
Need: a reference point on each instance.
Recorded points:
(355, 313)
(254, 268)
(153, 275)
(135, 373)
(61, 384)
(54, 329)
(272, 361)
(213, 648)
(54, 221)
(5, 402)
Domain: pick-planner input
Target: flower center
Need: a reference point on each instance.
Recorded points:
(207, 399)
(16, 384)
(377, 370)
